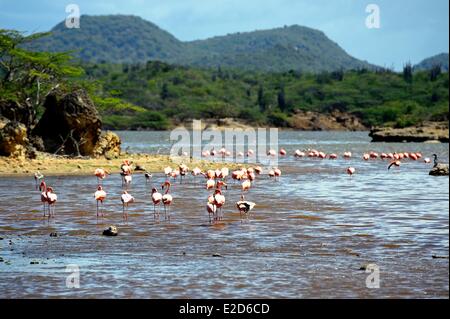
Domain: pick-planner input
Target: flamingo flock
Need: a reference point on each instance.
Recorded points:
(215, 181)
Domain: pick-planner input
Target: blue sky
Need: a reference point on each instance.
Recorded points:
(410, 29)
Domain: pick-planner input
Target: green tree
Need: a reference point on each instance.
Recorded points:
(29, 76)
(261, 100)
(281, 99)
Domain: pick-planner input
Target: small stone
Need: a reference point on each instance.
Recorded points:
(34, 262)
(217, 255)
(79, 166)
(54, 234)
(110, 231)
(439, 257)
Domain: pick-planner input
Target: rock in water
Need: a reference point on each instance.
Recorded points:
(110, 231)
(13, 140)
(70, 124)
(108, 145)
(439, 170)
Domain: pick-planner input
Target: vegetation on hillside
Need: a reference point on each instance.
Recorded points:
(130, 39)
(176, 94)
(440, 60)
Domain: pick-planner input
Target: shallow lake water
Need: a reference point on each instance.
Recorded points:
(309, 235)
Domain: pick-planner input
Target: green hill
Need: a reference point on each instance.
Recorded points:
(157, 95)
(122, 38)
(429, 63)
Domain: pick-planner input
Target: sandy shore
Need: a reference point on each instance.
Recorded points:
(56, 165)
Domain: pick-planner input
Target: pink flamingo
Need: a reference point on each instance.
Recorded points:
(347, 155)
(366, 157)
(246, 185)
(126, 200)
(244, 206)
(101, 174)
(351, 171)
(283, 152)
(332, 156)
(394, 163)
(43, 189)
(156, 199)
(100, 196)
(51, 200)
(277, 173)
(167, 199)
(37, 178)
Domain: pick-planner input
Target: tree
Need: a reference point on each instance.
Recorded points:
(261, 100)
(282, 99)
(28, 76)
(407, 72)
(164, 91)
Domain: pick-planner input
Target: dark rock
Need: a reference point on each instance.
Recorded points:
(427, 132)
(54, 234)
(217, 255)
(439, 170)
(439, 257)
(34, 262)
(70, 124)
(13, 140)
(111, 231)
(37, 143)
(108, 145)
(140, 168)
(18, 112)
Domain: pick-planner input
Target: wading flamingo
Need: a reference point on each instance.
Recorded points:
(43, 189)
(167, 199)
(38, 177)
(51, 200)
(156, 199)
(100, 196)
(148, 177)
(246, 185)
(244, 206)
(126, 200)
(101, 174)
(394, 163)
(351, 171)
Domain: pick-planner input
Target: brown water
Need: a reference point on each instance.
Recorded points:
(308, 238)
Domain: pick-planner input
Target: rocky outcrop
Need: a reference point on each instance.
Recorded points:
(17, 112)
(334, 121)
(439, 170)
(14, 141)
(427, 132)
(70, 124)
(108, 145)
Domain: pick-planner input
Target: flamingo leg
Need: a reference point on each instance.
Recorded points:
(44, 209)
(97, 208)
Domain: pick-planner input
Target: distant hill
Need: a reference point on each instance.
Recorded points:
(123, 38)
(428, 63)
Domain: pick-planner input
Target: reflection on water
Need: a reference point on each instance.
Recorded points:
(310, 234)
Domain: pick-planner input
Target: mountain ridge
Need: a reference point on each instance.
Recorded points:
(131, 39)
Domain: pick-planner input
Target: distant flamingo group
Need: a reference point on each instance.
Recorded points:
(215, 181)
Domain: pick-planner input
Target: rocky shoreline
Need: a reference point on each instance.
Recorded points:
(428, 132)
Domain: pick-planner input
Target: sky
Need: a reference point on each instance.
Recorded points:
(409, 30)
